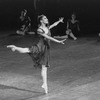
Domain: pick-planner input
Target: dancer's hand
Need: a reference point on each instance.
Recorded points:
(61, 20)
(62, 41)
(13, 47)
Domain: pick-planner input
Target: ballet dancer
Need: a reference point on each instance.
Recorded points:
(40, 52)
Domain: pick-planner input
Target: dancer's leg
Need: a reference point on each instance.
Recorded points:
(20, 32)
(67, 33)
(72, 35)
(61, 37)
(44, 77)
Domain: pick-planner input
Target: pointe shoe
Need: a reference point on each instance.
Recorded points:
(12, 47)
(75, 38)
(45, 88)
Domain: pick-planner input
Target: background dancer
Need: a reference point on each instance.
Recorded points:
(73, 27)
(40, 52)
(25, 23)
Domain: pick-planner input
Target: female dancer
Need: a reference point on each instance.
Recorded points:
(72, 28)
(25, 23)
(40, 51)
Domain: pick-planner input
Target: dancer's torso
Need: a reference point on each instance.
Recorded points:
(72, 25)
(44, 42)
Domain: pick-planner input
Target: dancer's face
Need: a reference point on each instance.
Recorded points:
(22, 15)
(73, 17)
(44, 20)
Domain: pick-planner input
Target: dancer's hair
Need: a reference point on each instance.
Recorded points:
(73, 14)
(24, 10)
(39, 20)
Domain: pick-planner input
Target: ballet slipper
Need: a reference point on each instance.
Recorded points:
(75, 38)
(44, 86)
(12, 47)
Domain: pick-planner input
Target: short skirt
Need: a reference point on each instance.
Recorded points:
(40, 57)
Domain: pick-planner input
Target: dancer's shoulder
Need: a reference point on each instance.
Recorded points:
(40, 30)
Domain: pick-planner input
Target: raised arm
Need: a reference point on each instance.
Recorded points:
(56, 23)
(19, 49)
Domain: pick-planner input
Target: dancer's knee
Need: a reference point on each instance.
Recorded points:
(68, 32)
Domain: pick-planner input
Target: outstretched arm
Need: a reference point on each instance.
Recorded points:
(19, 49)
(56, 23)
(51, 38)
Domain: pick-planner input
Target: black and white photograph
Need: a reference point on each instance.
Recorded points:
(49, 50)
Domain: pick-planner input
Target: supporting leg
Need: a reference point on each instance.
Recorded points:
(44, 77)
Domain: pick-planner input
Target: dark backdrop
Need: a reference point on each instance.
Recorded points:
(87, 12)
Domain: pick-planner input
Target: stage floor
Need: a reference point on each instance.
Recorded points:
(74, 73)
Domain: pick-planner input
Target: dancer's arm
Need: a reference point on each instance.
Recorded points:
(19, 49)
(51, 38)
(56, 23)
(67, 25)
(78, 25)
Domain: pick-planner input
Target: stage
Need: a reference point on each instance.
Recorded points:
(74, 73)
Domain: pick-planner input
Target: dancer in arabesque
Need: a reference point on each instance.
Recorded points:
(40, 52)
